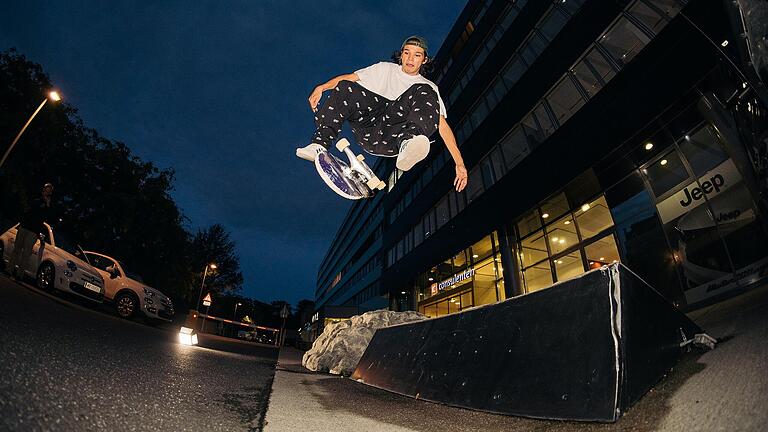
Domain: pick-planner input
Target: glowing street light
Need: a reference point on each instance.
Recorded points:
(211, 266)
(54, 97)
(234, 315)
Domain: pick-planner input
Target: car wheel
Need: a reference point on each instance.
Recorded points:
(46, 276)
(126, 305)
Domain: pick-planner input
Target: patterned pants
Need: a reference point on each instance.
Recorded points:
(379, 124)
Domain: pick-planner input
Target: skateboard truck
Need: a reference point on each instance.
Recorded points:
(701, 341)
(357, 165)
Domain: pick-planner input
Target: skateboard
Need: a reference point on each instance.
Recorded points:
(353, 180)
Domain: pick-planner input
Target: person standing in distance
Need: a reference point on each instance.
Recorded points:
(31, 228)
(391, 108)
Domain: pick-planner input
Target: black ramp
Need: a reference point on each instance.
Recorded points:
(653, 330)
(564, 352)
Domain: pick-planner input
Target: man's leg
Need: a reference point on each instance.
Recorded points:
(21, 248)
(410, 120)
(348, 101)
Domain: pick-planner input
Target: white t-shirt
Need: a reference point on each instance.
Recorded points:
(389, 80)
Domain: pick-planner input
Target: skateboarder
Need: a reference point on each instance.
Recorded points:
(391, 108)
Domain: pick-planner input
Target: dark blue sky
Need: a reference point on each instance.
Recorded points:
(217, 90)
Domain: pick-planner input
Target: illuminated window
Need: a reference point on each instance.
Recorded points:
(562, 234)
(593, 218)
(554, 207)
(442, 308)
(482, 249)
(537, 277)
(529, 223)
(568, 266)
(533, 249)
(602, 252)
(485, 282)
(466, 300)
(563, 245)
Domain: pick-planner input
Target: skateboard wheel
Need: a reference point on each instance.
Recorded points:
(342, 144)
(360, 157)
(375, 183)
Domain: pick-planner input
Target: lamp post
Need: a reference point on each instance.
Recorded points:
(54, 97)
(234, 315)
(212, 266)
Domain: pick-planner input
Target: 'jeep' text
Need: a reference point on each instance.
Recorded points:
(695, 194)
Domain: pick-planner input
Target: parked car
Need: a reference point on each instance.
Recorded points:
(57, 263)
(128, 291)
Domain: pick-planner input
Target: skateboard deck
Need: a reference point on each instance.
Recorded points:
(353, 180)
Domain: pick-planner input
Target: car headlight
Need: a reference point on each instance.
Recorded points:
(148, 292)
(71, 265)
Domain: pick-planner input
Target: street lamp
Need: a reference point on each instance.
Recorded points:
(54, 97)
(234, 316)
(211, 266)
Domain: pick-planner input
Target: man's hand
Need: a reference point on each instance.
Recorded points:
(314, 98)
(461, 178)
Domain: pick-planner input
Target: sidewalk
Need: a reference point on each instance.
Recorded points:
(724, 389)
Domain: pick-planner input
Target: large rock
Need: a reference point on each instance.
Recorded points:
(342, 344)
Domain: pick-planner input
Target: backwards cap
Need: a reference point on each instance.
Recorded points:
(416, 40)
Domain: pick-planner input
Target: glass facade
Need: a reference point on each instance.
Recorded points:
(472, 277)
(681, 215)
(707, 213)
(561, 239)
(615, 48)
(672, 195)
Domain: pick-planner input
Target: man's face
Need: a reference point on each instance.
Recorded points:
(47, 191)
(412, 58)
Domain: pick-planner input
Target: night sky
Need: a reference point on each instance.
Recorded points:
(217, 90)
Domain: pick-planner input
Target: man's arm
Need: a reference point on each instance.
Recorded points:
(317, 93)
(460, 182)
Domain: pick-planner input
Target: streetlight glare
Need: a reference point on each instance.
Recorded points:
(53, 96)
(212, 266)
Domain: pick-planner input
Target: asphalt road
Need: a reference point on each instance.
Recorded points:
(65, 366)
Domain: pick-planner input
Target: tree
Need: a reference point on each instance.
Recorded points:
(304, 311)
(213, 245)
(114, 202)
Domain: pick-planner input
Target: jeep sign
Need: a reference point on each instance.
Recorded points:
(710, 185)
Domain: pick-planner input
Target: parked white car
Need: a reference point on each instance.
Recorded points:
(127, 290)
(58, 264)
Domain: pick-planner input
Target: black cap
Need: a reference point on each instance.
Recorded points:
(416, 40)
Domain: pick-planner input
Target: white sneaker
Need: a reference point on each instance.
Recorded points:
(412, 151)
(309, 152)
